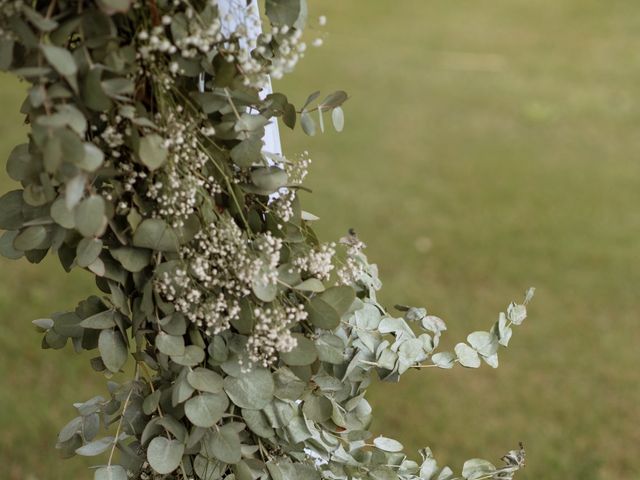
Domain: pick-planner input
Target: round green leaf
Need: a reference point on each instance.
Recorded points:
(310, 285)
(155, 234)
(100, 321)
(193, 355)
(322, 315)
(485, 343)
(304, 353)
(170, 344)
(110, 472)
(164, 455)
(89, 216)
(113, 349)
(467, 356)
(269, 179)
(153, 154)
(444, 359)
(266, 292)
(60, 59)
(7, 249)
(337, 117)
(88, 251)
(96, 447)
(257, 422)
(132, 259)
(224, 444)
(19, 164)
(387, 444)
(253, 389)
(31, 238)
(317, 408)
(93, 158)
(206, 409)
(61, 214)
(205, 380)
(340, 298)
(11, 217)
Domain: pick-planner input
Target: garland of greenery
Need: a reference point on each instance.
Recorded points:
(248, 343)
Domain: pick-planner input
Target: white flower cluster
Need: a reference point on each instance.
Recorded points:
(113, 134)
(318, 262)
(353, 268)
(179, 185)
(280, 49)
(289, 49)
(297, 170)
(221, 265)
(271, 334)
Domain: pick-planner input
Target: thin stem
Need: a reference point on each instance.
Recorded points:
(119, 427)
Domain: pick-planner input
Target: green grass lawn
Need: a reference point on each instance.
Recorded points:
(489, 146)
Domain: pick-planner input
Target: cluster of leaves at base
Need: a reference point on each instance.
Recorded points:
(194, 406)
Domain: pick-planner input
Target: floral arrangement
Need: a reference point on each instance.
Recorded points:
(243, 346)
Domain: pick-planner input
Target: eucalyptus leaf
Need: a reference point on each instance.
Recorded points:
(132, 259)
(101, 320)
(88, 251)
(224, 444)
(30, 238)
(164, 455)
(204, 410)
(269, 179)
(62, 215)
(113, 349)
(155, 234)
(152, 151)
(252, 390)
(111, 472)
(307, 123)
(205, 380)
(283, 12)
(193, 355)
(485, 343)
(444, 359)
(11, 217)
(387, 444)
(89, 216)
(310, 285)
(337, 118)
(97, 447)
(304, 353)
(170, 344)
(322, 315)
(60, 59)
(467, 356)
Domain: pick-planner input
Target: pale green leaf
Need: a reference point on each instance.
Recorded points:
(60, 59)
(155, 234)
(164, 455)
(467, 356)
(170, 344)
(111, 472)
(337, 117)
(204, 410)
(224, 444)
(387, 444)
(205, 380)
(253, 389)
(304, 353)
(89, 216)
(153, 154)
(113, 349)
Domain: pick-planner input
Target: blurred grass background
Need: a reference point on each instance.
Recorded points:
(489, 146)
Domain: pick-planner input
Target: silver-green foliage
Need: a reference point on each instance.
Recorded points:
(250, 343)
